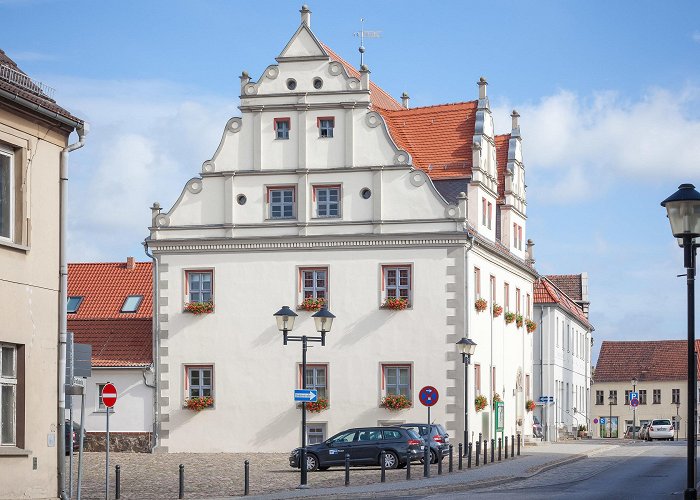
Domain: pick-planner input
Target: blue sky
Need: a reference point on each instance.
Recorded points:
(608, 92)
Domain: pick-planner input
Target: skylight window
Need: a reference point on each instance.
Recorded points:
(132, 303)
(73, 304)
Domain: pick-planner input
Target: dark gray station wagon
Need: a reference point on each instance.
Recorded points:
(364, 446)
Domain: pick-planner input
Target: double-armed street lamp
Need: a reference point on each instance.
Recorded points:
(683, 210)
(466, 347)
(611, 402)
(285, 323)
(634, 412)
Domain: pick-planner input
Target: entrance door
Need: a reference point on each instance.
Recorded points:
(608, 427)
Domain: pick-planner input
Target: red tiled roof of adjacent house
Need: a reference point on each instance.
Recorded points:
(31, 93)
(105, 285)
(545, 292)
(570, 284)
(502, 144)
(122, 342)
(652, 360)
(438, 137)
(379, 97)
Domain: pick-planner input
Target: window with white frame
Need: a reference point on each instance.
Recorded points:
(281, 202)
(199, 286)
(327, 201)
(314, 283)
(315, 433)
(282, 126)
(199, 381)
(397, 380)
(397, 282)
(317, 380)
(7, 201)
(8, 395)
(325, 127)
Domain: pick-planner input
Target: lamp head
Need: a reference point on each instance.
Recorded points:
(466, 346)
(683, 210)
(323, 320)
(285, 319)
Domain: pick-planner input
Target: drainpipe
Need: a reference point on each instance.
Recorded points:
(82, 130)
(155, 346)
(545, 420)
(467, 310)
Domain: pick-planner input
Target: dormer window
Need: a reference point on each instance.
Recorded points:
(73, 304)
(131, 304)
(325, 127)
(282, 126)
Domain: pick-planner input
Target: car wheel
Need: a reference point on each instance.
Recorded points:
(391, 461)
(311, 462)
(433, 457)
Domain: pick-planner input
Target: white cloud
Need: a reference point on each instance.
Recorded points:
(696, 36)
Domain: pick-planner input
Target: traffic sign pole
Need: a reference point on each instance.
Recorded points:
(109, 398)
(107, 462)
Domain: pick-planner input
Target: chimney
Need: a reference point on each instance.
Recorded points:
(530, 253)
(305, 16)
(404, 100)
(515, 123)
(155, 210)
(482, 87)
(245, 78)
(130, 264)
(364, 77)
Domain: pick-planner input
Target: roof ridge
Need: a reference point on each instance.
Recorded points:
(105, 263)
(429, 106)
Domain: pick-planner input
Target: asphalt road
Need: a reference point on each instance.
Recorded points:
(638, 470)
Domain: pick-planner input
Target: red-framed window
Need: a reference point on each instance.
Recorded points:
(199, 285)
(477, 282)
(517, 300)
(325, 125)
(199, 381)
(477, 379)
(281, 202)
(492, 281)
(506, 296)
(326, 199)
(397, 281)
(313, 283)
(282, 127)
(316, 379)
(397, 379)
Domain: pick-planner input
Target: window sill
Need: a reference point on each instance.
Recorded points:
(13, 451)
(14, 246)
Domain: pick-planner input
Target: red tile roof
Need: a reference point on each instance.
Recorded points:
(379, 97)
(125, 342)
(546, 292)
(570, 284)
(438, 137)
(652, 360)
(105, 285)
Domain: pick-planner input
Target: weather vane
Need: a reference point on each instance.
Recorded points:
(365, 34)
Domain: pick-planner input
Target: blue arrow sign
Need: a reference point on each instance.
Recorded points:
(546, 399)
(602, 420)
(308, 395)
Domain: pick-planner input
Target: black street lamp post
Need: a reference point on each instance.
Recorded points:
(678, 424)
(611, 401)
(285, 323)
(466, 347)
(683, 210)
(634, 412)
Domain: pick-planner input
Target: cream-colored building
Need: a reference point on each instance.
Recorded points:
(659, 368)
(34, 136)
(327, 187)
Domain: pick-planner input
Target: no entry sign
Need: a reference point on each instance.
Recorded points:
(109, 395)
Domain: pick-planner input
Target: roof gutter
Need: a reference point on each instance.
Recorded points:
(53, 115)
(82, 129)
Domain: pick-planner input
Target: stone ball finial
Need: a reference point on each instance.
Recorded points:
(305, 8)
(364, 68)
(482, 81)
(515, 113)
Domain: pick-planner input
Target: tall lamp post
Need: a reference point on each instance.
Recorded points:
(634, 412)
(610, 403)
(466, 347)
(678, 405)
(285, 322)
(683, 210)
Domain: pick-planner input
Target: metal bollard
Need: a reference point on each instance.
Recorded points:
(512, 446)
(408, 469)
(117, 482)
(426, 461)
(459, 459)
(439, 459)
(469, 456)
(486, 449)
(347, 469)
(506, 441)
(246, 477)
(493, 448)
(451, 468)
(181, 491)
(382, 460)
(500, 442)
(477, 454)
(518, 444)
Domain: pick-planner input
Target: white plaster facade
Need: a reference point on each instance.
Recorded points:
(222, 225)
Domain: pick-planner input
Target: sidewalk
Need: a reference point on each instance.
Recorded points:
(532, 461)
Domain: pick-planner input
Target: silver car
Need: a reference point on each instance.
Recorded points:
(660, 429)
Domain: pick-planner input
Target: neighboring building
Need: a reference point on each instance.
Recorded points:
(34, 140)
(562, 356)
(660, 367)
(328, 188)
(110, 306)
(575, 286)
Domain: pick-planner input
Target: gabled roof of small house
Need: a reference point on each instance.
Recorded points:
(647, 360)
(569, 284)
(547, 292)
(17, 82)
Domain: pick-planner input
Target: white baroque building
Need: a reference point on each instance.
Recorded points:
(327, 187)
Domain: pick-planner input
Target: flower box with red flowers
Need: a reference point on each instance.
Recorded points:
(480, 305)
(317, 406)
(199, 307)
(395, 303)
(311, 304)
(529, 405)
(497, 310)
(530, 325)
(518, 320)
(496, 399)
(480, 402)
(396, 402)
(199, 403)
(509, 317)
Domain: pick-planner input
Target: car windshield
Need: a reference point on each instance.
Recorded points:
(412, 434)
(661, 422)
